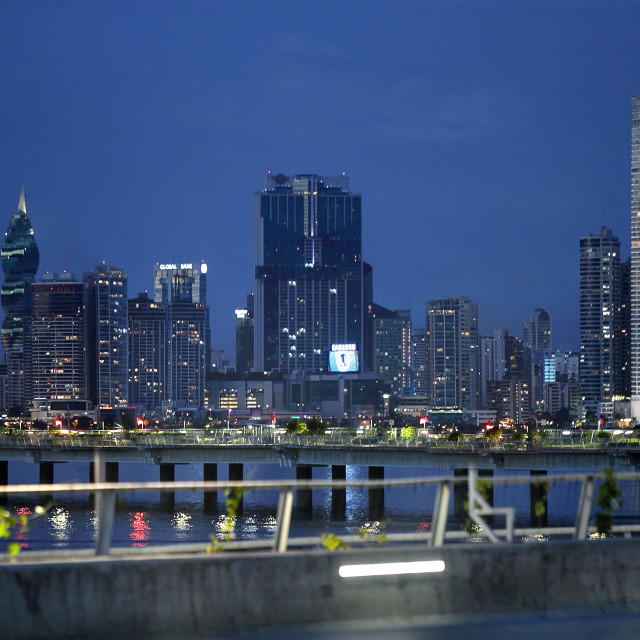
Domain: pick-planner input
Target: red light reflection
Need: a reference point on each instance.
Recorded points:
(423, 526)
(139, 529)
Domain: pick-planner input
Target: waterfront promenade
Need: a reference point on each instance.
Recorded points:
(286, 450)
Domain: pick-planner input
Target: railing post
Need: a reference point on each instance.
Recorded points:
(440, 513)
(105, 507)
(584, 508)
(283, 521)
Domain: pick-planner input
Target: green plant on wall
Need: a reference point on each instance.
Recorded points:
(233, 500)
(9, 524)
(331, 542)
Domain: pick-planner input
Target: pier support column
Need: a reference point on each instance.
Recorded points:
(210, 474)
(338, 496)
(4, 480)
(538, 500)
(46, 472)
(376, 496)
(460, 496)
(236, 474)
(112, 472)
(46, 477)
(304, 499)
(167, 474)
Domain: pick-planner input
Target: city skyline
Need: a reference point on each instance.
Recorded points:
(485, 140)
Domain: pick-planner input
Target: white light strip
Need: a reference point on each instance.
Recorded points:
(390, 568)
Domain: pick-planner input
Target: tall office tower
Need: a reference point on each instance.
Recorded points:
(503, 357)
(20, 259)
(57, 338)
(537, 336)
(309, 290)
(635, 257)
(453, 353)
(182, 288)
(106, 336)
(147, 353)
(599, 316)
(419, 361)
(622, 377)
(537, 331)
(244, 337)
(392, 348)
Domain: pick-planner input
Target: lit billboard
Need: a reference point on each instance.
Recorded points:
(343, 358)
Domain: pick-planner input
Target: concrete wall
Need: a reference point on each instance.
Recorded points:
(207, 595)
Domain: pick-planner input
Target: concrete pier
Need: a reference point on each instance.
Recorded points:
(236, 472)
(304, 497)
(167, 474)
(338, 496)
(4, 479)
(210, 474)
(376, 496)
(538, 499)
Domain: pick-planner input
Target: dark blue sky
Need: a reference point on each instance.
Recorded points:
(484, 137)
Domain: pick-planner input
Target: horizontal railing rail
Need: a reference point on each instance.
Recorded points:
(478, 509)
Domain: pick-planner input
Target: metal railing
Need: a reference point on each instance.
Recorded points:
(479, 510)
(252, 439)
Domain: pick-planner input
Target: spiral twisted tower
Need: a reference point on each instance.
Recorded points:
(20, 259)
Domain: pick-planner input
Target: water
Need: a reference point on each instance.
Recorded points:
(142, 519)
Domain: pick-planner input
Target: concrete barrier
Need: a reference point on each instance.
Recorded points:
(208, 595)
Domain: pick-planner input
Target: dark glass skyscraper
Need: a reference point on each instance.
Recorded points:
(308, 270)
(20, 259)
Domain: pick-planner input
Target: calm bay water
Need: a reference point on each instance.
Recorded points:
(142, 519)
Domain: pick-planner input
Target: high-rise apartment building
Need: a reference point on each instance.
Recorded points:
(57, 339)
(453, 358)
(147, 353)
(635, 257)
(503, 357)
(599, 316)
(106, 336)
(622, 377)
(419, 362)
(182, 289)
(309, 290)
(20, 259)
(392, 348)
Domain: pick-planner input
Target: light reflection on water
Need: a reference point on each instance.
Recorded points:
(142, 519)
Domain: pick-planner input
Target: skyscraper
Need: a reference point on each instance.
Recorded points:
(392, 348)
(20, 259)
(182, 289)
(147, 353)
(599, 316)
(244, 337)
(453, 358)
(308, 271)
(419, 362)
(537, 331)
(57, 339)
(635, 257)
(106, 336)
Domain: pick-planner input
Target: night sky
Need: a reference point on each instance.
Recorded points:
(485, 138)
